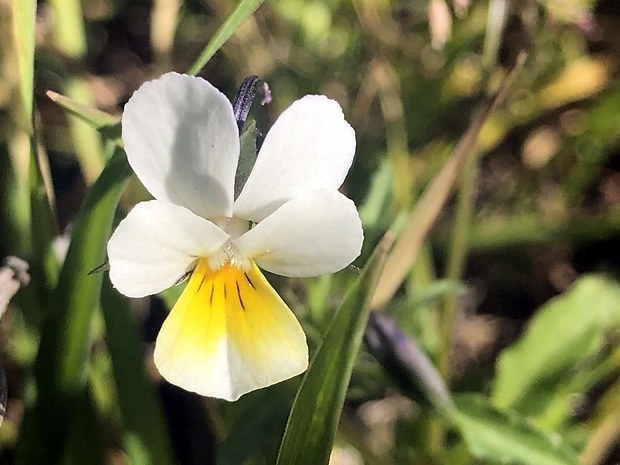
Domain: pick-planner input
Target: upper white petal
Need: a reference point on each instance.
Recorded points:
(310, 146)
(156, 244)
(316, 233)
(182, 141)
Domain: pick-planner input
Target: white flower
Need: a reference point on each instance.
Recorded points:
(230, 332)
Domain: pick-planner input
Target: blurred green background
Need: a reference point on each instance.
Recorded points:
(535, 216)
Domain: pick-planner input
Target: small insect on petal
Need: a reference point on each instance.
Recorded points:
(228, 334)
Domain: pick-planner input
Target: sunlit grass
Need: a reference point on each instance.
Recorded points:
(486, 231)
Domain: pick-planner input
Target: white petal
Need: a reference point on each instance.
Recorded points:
(310, 146)
(316, 233)
(156, 244)
(229, 333)
(182, 141)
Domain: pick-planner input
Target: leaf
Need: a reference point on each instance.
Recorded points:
(24, 17)
(64, 339)
(507, 438)
(141, 411)
(379, 197)
(84, 445)
(259, 425)
(44, 267)
(316, 410)
(245, 8)
(564, 332)
(107, 124)
(43, 228)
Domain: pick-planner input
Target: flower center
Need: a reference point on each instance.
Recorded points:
(228, 253)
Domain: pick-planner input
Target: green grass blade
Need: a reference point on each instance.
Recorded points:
(259, 427)
(43, 229)
(70, 39)
(83, 441)
(59, 370)
(24, 16)
(44, 264)
(105, 123)
(141, 410)
(316, 411)
(507, 438)
(244, 9)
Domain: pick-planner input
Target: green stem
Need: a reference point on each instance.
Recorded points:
(534, 228)
(456, 260)
(70, 39)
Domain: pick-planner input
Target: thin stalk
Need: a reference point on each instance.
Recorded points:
(533, 228)
(457, 258)
(244, 9)
(388, 86)
(391, 104)
(70, 39)
(602, 441)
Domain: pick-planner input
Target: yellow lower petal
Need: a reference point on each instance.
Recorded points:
(229, 333)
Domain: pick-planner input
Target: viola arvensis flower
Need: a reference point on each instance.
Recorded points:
(230, 333)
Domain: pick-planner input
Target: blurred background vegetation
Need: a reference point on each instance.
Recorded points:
(511, 301)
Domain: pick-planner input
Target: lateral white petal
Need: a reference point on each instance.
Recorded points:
(156, 244)
(310, 146)
(182, 141)
(316, 233)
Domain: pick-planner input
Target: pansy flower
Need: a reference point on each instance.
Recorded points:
(230, 332)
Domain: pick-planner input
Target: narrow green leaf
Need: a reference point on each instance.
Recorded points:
(259, 426)
(141, 410)
(379, 198)
(244, 9)
(16, 190)
(84, 444)
(564, 332)
(429, 295)
(69, 32)
(69, 38)
(43, 225)
(43, 229)
(59, 369)
(314, 417)
(105, 123)
(24, 17)
(507, 438)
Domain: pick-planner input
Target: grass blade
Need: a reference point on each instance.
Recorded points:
(59, 370)
(141, 410)
(107, 124)
(43, 228)
(314, 417)
(244, 9)
(24, 16)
